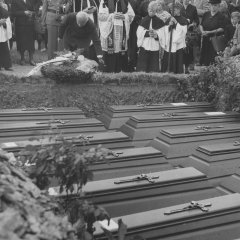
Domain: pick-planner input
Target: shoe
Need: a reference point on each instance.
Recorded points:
(43, 50)
(8, 69)
(22, 62)
(32, 63)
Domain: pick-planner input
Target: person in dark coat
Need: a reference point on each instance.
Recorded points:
(5, 34)
(77, 31)
(190, 13)
(23, 12)
(213, 23)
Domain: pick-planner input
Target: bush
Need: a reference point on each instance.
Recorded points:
(218, 84)
(66, 73)
(93, 98)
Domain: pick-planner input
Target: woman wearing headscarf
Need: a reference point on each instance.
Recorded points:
(213, 23)
(116, 17)
(5, 35)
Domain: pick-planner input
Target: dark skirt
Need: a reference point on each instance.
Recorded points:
(116, 62)
(25, 37)
(188, 55)
(176, 63)
(5, 58)
(148, 61)
(208, 53)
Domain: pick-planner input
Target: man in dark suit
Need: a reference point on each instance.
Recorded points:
(77, 31)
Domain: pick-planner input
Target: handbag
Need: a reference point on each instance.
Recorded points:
(218, 42)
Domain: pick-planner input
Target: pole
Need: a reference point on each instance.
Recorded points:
(74, 7)
(170, 43)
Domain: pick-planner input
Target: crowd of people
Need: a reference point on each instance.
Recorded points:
(123, 35)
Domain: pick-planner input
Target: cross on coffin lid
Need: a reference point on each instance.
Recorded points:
(187, 131)
(219, 149)
(165, 177)
(11, 127)
(182, 116)
(157, 219)
(31, 111)
(94, 138)
(165, 106)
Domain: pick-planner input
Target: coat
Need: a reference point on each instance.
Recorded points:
(18, 8)
(190, 13)
(51, 18)
(75, 37)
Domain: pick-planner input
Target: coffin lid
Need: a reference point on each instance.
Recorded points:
(186, 131)
(220, 205)
(95, 138)
(219, 149)
(26, 112)
(166, 106)
(45, 124)
(165, 177)
(162, 117)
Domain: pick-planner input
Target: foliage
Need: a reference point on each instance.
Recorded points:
(66, 73)
(25, 212)
(93, 99)
(65, 161)
(218, 84)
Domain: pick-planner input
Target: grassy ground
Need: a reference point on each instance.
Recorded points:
(92, 98)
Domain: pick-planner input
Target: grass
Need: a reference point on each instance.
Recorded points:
(91, 98)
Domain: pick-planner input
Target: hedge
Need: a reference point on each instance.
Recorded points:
(105, 90)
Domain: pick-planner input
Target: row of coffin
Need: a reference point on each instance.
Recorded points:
(184, 160)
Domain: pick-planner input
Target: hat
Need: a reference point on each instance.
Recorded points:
(214, 1)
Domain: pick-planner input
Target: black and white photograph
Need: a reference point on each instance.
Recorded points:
(119, 119)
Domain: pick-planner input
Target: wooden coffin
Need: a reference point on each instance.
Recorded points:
(232, 183)
(216, 160)
(169, 188)
(41, 113)
(130, 161)
(220, 221)
(106, 139)
(147, 127)
(115, 116)
(180, 142)
(23, 130)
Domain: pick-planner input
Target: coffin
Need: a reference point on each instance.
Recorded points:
(129, 162)
(180, 142)
(115, 116)
(147, 127)
(41, 113)
(23, 130)
(232, 183)
(220, 222)
(216, 160)
(106, 139)
(170, 187)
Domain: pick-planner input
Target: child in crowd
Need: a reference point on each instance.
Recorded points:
(148, 41)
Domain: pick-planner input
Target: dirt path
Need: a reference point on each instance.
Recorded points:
(18, 70)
